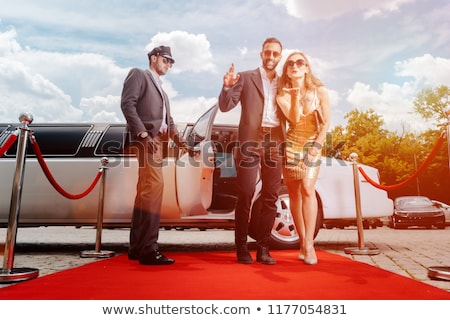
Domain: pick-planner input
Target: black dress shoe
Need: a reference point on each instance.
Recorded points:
(155, 258)
(263, 256)
(243, 255)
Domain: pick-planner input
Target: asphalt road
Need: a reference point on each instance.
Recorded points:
(407, 252)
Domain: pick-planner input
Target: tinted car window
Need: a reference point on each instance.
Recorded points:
(4, 135)
(57, 140)
(200, 130)
(2, 128)
(112, 141)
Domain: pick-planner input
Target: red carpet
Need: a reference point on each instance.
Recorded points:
(216, 276)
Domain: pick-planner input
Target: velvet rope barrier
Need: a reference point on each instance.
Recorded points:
(52, 180)
(9, 142)
(419, 170)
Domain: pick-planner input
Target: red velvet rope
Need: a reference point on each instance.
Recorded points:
(49, 176)
(8, 143)
(419, 170)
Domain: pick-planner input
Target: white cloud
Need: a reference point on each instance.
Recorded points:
(191, 52)
(395, 102)
(46, 83)
(64, 87)
(432, 71)
(307, 10)
(24, 91)
(102, 109)
(190, 109)
(81, 75)
(392, 102)
(8, 43)
(66, 61)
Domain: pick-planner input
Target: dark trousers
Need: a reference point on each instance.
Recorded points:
(145, 222)
(254, 160)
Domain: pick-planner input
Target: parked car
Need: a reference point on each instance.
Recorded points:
(445, 207)
(416, 211)
(199, 191)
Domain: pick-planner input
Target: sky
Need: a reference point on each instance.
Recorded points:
(65, 61)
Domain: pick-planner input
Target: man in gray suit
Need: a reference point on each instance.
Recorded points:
(261, 130)
(146, 108)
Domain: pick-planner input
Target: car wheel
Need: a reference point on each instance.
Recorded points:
(391, 222)
(284, 234)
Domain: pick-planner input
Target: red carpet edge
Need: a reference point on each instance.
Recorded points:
(217, 276)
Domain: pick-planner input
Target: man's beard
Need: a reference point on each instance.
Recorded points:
(269, 65)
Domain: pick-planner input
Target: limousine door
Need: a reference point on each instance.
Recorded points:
(194, 172)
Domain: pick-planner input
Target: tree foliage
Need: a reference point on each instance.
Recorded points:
(431, 104)
(398, 156)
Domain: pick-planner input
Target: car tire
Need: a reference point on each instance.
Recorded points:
(441, 226)
(284, 235)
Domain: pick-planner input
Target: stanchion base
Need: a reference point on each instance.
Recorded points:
(97, 254)
(364, 250)
(18, 274)
(439, 273)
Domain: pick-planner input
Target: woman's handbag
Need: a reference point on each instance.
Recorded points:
(319, 119)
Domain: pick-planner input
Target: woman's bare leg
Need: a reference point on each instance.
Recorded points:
(295, 204)
(309, 213)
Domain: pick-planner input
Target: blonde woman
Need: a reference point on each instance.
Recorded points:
(304, 101)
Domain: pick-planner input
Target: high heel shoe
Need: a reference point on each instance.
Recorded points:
(310, 261)
(310, 256)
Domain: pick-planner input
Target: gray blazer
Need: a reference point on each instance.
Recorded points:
(142, 105)
(249, 91)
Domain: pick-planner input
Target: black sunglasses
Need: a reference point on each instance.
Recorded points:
(167, 61)
(299, 63)
(268, 53)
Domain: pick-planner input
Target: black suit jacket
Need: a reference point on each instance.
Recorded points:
(249, 91)
(142, 105)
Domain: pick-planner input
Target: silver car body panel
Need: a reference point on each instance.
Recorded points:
(189, 189)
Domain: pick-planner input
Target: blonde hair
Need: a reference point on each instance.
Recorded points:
(311, 81)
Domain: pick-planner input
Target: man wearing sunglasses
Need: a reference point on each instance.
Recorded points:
(260, 133)
(146, 108)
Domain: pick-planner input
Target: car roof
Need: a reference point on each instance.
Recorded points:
(411, 197)
(412, 201)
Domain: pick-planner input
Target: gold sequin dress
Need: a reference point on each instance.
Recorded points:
(299, 137)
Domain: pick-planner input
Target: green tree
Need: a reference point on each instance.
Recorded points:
(399, 156)
(434, 104)
(363, 134)
(431, 104)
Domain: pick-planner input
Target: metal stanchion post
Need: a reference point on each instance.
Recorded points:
(8, 273)
(442, 272)
(97, 253)
(361, 249)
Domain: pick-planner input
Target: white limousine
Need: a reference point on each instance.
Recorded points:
(199, 191)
